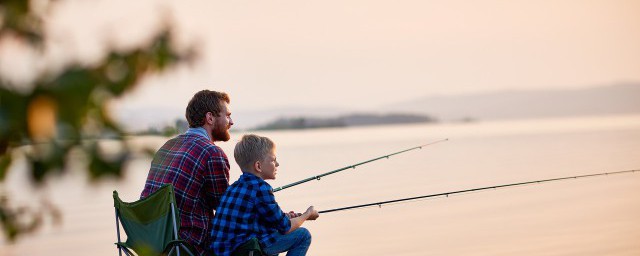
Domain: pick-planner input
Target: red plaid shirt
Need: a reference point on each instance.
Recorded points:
(199, 172)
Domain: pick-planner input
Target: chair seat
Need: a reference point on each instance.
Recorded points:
(250, 248)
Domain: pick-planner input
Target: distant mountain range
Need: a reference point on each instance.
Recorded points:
(623, 98)
(343, 121)
(615, 99)
(604, 100)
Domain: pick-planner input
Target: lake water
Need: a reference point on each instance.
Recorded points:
(591, 216)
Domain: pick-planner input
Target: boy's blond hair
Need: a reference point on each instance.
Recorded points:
(252, 148)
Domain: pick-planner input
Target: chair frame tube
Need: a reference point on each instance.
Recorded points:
(118, 232)
(175, 227)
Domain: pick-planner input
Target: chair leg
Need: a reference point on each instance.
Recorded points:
(119, 250)
(128, 253)
(175, 225)
(125, 250)
(118, 232)
(186, 249)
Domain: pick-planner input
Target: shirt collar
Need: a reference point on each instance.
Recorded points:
(199, 131)
(248, 175)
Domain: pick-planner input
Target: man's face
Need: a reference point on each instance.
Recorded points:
(269, 166)
(222, 124)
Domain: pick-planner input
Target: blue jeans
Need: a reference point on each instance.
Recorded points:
(295, 243)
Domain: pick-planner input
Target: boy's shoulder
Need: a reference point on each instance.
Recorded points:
(250, 182)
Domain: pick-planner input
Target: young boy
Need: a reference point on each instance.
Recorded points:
(248, 208)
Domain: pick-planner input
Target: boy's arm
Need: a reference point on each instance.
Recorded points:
(310, 214)
(269, 211)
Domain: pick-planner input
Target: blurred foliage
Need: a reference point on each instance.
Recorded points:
(17, 18)
(66, 111)
(179, 127)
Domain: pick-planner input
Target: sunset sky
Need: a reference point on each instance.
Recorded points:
(360, 54)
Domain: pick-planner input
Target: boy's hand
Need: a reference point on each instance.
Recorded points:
(293, 214)
(311, 213)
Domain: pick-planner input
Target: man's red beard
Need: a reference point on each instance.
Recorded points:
(221, 134)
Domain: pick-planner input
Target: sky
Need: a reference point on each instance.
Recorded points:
(358, 54)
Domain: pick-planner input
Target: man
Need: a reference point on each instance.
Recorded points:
(249, 210)
(197, 168)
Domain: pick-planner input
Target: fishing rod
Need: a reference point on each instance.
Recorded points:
(447, 194)
(317, 177)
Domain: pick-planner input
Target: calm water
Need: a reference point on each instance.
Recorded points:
(593, 216)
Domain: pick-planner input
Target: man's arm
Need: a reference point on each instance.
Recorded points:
(216, 177)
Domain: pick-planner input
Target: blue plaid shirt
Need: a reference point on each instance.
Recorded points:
(247, 209)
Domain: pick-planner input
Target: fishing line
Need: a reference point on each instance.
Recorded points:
(317, 177)
(447, 194)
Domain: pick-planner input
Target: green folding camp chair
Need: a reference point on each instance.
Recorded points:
(150, 224)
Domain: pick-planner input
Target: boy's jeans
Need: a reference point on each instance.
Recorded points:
(295, 243)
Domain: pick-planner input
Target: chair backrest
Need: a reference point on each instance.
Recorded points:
(149, 222)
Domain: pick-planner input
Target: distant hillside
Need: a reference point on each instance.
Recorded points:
(616, 99)
(603, 100)
(343, 121)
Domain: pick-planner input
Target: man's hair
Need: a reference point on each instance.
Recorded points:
(252, 148)
(202, 102)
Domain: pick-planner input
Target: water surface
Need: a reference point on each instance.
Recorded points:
(592, 216)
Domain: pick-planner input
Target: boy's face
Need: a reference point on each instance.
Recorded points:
(269, 166)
